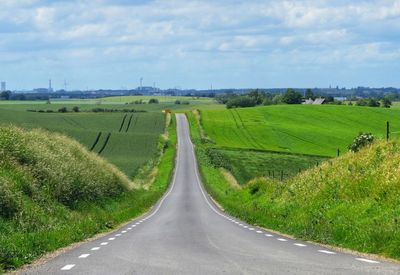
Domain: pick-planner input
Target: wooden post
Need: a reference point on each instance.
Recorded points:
(338, 152)
(387, 130)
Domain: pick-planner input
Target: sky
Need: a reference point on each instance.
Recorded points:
(94, 44)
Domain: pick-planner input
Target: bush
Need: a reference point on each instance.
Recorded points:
(362, 140)
(242, 101)
(75, 109)
(63, 110)
(177, 101)
(153, 101)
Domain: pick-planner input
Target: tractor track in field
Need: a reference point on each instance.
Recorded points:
(129, 123)
(122, 123)
(105, 143)
(96, 141)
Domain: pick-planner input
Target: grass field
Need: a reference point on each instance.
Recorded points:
(128, 149)
(246, 165)
(317, 130)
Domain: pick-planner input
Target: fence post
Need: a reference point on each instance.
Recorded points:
(387, 130)
(338, 152)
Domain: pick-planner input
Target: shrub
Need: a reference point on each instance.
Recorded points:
(242, 101)
(177, 101)
(75, 109)
(362, 140)
(63, 110)
(153, 101)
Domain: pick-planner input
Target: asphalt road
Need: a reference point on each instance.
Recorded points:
(186, 234)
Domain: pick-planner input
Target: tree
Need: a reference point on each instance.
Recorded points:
(292, 97)
(75, 109)
(372, 102)
(5, 95)
(153, 101)
(386, 103)
(257, 96)
(177, 101)
(63, 110)
(309, 94)
(242, 101)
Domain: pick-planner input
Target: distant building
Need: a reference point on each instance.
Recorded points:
(3, 86)
(317, 101)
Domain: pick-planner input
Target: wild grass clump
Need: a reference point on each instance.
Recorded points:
(57, 165)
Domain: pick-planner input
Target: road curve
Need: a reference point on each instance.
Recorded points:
(186, 234)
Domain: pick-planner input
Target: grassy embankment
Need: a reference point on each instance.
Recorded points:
(350, 201)
(54, 192)
(266, 141)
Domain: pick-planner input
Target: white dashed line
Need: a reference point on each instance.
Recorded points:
(137, 223)
(327, 252)
(95, 248)
(83, 256)
(367, 261)
(105, 243)
(123, 232)
(111, 239)
(251, 228)
(68, 267)
(133, 225)
(259, 231)
(129, 228)
(117, 235)
(268, 235)
(300, 244)
(282, 240)
(245, 226)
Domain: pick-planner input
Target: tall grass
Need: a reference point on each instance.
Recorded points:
(54, 192)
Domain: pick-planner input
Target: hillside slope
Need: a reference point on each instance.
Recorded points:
(53, 192)
(351, 201)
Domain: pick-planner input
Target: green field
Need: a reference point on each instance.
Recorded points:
(316, 130)
(128, 149)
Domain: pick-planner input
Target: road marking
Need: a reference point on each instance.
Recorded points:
(117, 235)
(367, 261)
(268, 235)
(123, 231)
(300, 244)
(245, 226)
(111, 239)
(133, 225)
(259, 231)
(129, 228)
(68, 267)
(137, 223)
(95, 248)
(83, 256)
(327, 252)
(105, 243)
(237, 222)
(251, 228)
(282, 240)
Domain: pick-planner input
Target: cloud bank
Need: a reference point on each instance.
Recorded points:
(193, 44)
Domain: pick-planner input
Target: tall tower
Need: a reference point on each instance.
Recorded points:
(3, 86)
(50, 88)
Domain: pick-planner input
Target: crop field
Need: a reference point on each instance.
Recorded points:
(128, 143)
(246, 165)
(316, 130)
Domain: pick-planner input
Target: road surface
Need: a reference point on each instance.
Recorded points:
(185, 233)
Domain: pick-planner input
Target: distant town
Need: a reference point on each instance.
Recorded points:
(51, 93)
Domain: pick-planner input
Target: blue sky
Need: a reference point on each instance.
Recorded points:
(196, 44)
